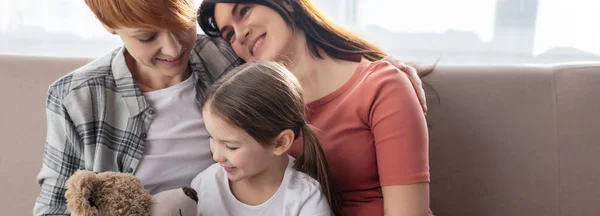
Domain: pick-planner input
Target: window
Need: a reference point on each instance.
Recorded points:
(476, 31)
(455, 32)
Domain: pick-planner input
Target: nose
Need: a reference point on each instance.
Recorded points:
(171, 46)
(242, 33)
(217, 154)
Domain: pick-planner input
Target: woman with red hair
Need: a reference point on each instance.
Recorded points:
(136, 109)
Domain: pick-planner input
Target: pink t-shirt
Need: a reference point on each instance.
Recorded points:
(373, 133)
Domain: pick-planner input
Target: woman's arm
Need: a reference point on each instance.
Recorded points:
(406, 200)
(61, 157)
(216, 55)
(414, 78)
(401, 141)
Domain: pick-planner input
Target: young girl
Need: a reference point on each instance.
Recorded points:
(253, 116)
(369, 118)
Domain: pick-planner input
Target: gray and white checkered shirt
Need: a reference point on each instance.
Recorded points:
(97, 118)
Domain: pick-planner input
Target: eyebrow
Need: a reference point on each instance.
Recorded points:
(142, 31)
(233, 10)
(233, 141)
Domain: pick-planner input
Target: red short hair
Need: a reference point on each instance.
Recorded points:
(173, 15)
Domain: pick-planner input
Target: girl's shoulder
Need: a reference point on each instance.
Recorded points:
(210, 174)
(307, 190)
(300, 183)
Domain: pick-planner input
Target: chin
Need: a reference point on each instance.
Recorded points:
(278, 57)
(261, 58)
(172, 72)
(234, 178)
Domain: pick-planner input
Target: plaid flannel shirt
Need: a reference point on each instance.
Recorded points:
(97, 118)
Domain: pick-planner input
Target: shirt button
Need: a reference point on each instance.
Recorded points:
(143, 135)
(130, 170)
(151, 112)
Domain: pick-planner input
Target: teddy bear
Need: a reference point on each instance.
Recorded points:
(116, 194)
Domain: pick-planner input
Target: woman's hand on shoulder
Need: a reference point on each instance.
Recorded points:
(413, 76)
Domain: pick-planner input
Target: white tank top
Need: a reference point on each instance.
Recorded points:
(177, 144)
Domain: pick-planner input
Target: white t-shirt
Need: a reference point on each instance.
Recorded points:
(298, 195)
(177, 144)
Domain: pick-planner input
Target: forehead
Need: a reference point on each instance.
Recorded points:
(223, 13)
(130, 30)
(218, 127)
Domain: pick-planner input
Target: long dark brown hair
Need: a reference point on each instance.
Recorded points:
(320, 31)
(264, 98)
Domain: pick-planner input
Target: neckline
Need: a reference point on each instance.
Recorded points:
(158, 93)
(333, 95)
(286, 176)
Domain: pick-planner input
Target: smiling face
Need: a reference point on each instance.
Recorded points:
(256, 32)
(240, 155)
(162, 53)
(158, 35)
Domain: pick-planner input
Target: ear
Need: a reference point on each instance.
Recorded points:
(283, 142)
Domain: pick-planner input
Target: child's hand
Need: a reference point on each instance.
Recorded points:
(413, 76)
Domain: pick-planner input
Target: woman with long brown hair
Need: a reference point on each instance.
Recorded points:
(367, 115)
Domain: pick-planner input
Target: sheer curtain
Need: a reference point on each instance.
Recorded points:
(453, 32)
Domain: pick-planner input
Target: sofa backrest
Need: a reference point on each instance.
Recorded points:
(504, 140)
(515, 140)
(24, 81)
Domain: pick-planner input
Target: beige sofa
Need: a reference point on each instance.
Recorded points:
(505, 140)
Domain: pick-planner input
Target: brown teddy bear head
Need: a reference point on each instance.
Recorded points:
(106, 194)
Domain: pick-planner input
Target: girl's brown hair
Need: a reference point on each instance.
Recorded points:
(264, 98)
(173, 15)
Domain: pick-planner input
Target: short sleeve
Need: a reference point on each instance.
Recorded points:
(398, 126)
(314, 202)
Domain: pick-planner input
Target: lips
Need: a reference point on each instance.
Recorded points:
(175, 61)
(229, 169)
(256, 47)
(169, 60)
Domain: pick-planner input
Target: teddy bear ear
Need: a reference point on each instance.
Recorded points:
(79, 189)
(191, 193)
(81, 178)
